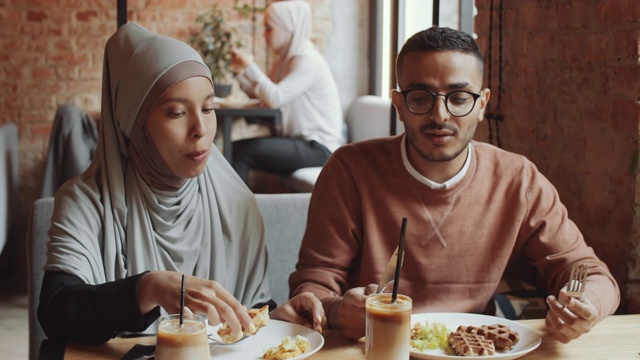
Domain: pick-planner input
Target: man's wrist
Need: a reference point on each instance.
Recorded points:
(333, 318)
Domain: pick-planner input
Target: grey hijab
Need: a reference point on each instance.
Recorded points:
(109, 223)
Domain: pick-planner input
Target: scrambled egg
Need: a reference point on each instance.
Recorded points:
(288, 348)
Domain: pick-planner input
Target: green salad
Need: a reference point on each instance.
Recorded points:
(429, 336)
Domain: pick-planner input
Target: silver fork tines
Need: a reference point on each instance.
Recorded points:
(219, 342)
(577, 279)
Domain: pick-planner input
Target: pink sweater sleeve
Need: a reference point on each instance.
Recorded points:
(554, 243)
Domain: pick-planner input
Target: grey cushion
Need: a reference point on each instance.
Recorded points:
(285, 217)
(302, 180)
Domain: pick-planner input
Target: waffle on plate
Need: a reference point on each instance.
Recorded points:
(468, 344)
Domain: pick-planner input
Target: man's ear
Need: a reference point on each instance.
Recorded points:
(483, 101)
(398, 102)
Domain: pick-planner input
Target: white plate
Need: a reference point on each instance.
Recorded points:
(271, 335)
(237, 104)
(529, 339)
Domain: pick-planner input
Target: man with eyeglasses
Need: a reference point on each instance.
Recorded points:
(473, 210)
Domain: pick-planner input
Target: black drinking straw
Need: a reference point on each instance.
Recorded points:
(396, 278)
(182, 302)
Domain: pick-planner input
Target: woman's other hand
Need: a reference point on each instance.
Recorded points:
(304, 309)
(202, 296)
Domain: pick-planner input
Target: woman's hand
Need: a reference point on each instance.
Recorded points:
(239, 61)
(304, 309)
(569, 318)
(202, 296)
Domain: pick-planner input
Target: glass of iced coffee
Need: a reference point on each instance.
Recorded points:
(388, 327)
(186, 341)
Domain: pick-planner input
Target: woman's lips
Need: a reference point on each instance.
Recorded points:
(197, 156)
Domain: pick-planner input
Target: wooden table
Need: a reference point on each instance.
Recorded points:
(226, 116)
(616, 337)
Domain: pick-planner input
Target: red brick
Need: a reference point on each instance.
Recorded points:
(45, 4)
(41, 73)
(612, 11)
(627, 81)
(37, 16)
(41, 129)
(625, 115)
(624, 44)
(36, 116)
(166, 4)
(85, 16)
(596, 48)
(68, 59)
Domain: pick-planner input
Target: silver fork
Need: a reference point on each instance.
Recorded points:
(577, 279)
(217, 341)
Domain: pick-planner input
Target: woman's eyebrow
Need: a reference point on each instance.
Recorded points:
(172, 99)
(182, 99)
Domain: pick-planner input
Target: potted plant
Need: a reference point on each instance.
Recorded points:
(214, 41)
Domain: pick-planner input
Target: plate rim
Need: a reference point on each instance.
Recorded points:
(534, 344)
(293, 327)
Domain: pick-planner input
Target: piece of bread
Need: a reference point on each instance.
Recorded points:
(260, 318)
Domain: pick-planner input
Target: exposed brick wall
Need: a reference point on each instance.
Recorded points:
(51, 53)
(570, 91)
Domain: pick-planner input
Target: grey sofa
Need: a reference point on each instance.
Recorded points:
(285, 217)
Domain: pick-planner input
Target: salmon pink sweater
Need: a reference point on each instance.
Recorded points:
(459, 240)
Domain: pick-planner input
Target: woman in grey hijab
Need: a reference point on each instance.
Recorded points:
(158, 201)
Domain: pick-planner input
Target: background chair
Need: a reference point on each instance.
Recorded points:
(8, 179)
(37, 237)
(368, 117)
(285, 218)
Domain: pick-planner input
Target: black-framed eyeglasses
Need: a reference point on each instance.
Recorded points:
(459, 103)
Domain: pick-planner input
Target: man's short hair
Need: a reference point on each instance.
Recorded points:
(439, 39)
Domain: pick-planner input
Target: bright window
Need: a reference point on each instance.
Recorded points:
(413, 16)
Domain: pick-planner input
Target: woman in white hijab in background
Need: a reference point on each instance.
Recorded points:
(158, 201)
(300, 82)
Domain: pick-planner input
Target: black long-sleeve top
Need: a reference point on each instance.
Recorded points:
(70, 310)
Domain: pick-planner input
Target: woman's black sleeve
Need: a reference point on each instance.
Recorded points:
(70, 310)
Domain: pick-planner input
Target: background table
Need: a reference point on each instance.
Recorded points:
(226, 116)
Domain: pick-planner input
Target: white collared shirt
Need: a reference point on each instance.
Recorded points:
(430, 183)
